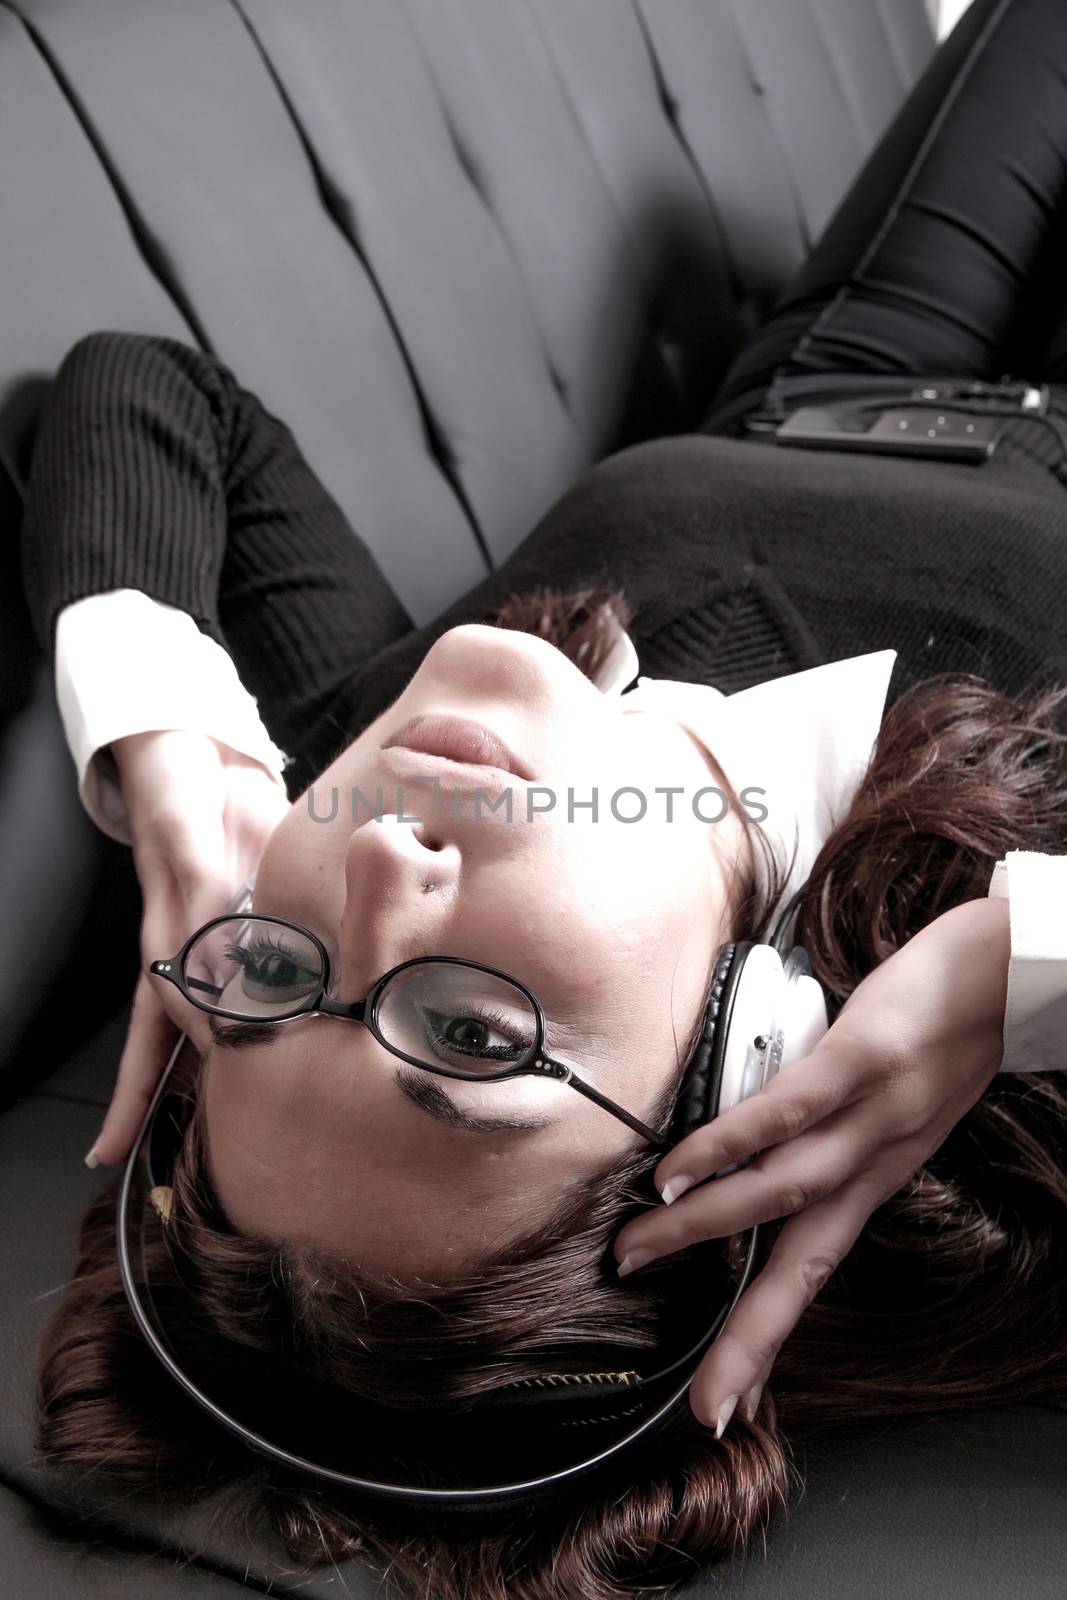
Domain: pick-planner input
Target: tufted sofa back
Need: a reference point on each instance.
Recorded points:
(463, 247)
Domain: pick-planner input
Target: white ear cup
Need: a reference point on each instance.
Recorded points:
(778, 1017)
(758, 1001)
(805, 1019)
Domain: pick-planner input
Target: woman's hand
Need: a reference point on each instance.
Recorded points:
(839, 1130)
(200, 816)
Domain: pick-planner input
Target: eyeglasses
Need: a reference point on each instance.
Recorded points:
(450, 1016)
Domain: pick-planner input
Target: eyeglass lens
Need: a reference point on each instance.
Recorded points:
(257, 968)
(433, 1012)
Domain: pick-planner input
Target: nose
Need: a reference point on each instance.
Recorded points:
(401, 883)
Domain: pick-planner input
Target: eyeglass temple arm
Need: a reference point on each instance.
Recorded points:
(169, 970)
(609, 1105)
(208, 988)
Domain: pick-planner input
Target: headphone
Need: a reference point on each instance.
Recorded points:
(762, 1013)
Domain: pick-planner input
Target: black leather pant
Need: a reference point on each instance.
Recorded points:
(948, 255)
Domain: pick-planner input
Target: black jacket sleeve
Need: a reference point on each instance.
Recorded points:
(154, 470)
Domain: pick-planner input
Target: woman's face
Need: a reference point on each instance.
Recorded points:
(321, 1135)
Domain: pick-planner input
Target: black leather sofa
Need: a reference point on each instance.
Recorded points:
(465, 247)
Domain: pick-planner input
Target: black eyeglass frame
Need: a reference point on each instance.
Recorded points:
(534, 1062)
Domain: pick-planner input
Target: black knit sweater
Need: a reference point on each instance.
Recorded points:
(742, 561)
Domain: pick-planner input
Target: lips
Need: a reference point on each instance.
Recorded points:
(457, 739)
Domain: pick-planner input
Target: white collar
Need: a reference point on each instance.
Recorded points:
(806, 739)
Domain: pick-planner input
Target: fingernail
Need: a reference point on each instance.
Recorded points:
(635, 1259)
(675, 1187)
(752, 1400)
(92, 1159)
(726, 1411)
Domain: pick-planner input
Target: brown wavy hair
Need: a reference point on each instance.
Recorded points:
(952, 1297)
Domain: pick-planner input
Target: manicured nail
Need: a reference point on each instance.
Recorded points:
(752, 1400)
(726, 1411)
(92, 1159)
(635, 1259)
(674, 1188)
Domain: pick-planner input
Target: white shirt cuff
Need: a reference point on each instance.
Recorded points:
(1035, 1016)
(125, 664)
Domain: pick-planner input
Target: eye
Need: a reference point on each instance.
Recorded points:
(272, 972)
(481, 1033)
(444, 1009)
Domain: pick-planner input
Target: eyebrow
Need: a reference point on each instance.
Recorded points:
(235, 1035)
(423, 1090)
(420, 1087)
